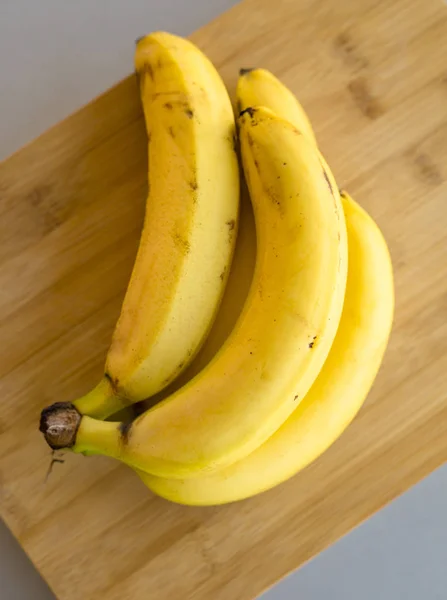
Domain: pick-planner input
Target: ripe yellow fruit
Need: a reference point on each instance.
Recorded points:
(190, 225)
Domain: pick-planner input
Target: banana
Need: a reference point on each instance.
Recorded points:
(190, 225)
(280, 341)
(338, 392)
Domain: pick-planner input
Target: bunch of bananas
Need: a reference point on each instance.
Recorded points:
(298, 337)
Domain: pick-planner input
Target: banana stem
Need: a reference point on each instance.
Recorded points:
(100, 437)
(101, 402)
(64, 427)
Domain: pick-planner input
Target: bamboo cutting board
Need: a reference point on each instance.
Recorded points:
(373, 77)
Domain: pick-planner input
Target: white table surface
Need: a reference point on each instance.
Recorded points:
(55, 55)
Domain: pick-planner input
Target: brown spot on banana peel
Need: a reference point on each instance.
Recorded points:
(275, 198)
(270, 190)
(186, 108)
(231, 224)
(125, 430)
(114, 382)
(233, 140)
(332, 191)
(193, 185)
(59, 424)
(247, 111)
(311, 344)
(164, 94)
(146, 70)
(171, 132)
(222, 275)
(137, 409)
(183, 245)
(278, 204)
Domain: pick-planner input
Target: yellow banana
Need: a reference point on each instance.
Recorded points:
(279, 343)
(190, 225)
(337, 393)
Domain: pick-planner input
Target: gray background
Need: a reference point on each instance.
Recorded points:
(55, 55)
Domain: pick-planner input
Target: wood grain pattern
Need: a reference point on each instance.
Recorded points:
(374, 80)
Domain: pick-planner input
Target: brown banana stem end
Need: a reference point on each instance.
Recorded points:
(59, 424)
(246, 71)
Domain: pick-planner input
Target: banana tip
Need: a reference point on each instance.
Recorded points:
(249, 111)
(245, 71)
(59, 424)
